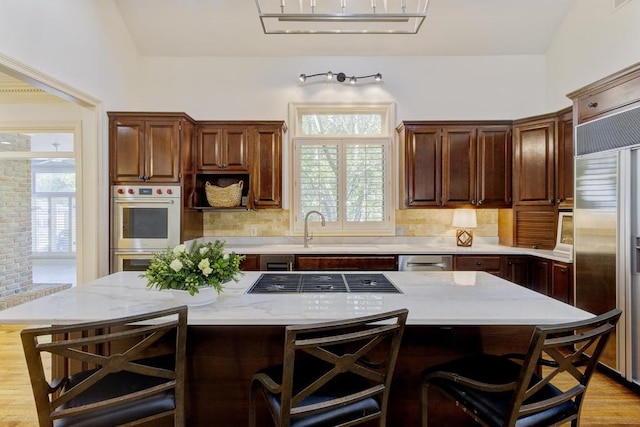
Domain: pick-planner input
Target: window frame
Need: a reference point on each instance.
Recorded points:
(342, 228)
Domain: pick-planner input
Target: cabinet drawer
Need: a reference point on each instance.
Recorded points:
(490, 264)
(598, 103)
(346, 262)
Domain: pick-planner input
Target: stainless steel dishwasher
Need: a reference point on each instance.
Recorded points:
(425, 262)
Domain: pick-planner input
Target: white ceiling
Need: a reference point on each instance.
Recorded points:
(232, 28)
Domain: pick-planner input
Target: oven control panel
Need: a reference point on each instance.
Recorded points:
(146, 191)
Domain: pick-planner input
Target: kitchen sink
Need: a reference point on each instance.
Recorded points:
(322, 283)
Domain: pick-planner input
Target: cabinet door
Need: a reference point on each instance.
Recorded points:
(208, 148)
(534, 163)
(540, 273)
(459, 166)
(517, 270)
(562, 282)
(266, 178)
(423, 167)
(223, 149)
(564, 159)
(494, 167)
(162, 151)
(235, 149)
(127, 150)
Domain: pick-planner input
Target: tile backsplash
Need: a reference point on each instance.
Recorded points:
(409, 222)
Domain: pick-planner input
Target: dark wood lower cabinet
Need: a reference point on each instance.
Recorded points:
(551, 278)
(346, 262)
(250, 263)
(562, 282)
(222, 360)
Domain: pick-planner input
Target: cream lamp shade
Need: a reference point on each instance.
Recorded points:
(463, 220)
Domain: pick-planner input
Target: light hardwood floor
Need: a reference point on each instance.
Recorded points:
(607, 403)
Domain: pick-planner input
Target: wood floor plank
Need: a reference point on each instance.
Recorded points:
(607, 403)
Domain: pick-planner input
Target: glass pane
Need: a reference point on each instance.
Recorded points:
(342, 124)
(365, 183)
(36, 142)
(54, 175)
(319, 180)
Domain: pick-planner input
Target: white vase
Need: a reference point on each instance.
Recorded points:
(206, 295)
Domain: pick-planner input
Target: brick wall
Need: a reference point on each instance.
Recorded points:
(15, 219)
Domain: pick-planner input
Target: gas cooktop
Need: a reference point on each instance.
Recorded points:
(323, 282)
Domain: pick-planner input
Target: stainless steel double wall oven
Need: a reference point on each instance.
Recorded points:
(144, 219)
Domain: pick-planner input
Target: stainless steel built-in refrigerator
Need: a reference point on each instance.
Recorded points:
(607, 231)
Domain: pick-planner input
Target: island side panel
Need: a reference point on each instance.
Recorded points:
(222, 360)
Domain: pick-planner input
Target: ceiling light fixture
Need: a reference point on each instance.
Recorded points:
(341, 77)
(342, 17)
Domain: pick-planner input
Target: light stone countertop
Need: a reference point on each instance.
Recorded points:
(433, 298)
(378, 245)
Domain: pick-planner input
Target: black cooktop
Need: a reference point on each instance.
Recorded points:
(322, 282)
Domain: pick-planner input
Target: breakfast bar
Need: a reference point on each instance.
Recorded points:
(451, 314)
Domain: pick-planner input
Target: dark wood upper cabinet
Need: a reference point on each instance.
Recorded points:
(422, 165)
(534, 161)
(223, 148)
(459, 166)
(248, 151)
(494, 166)
(266, 178)
(147, 147)
(564, 160)
(455, 164)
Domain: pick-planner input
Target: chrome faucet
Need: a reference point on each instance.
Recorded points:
(306, 227)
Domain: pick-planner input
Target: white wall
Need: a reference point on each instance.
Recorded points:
(82, 43)
(593, 42)
(424, 88)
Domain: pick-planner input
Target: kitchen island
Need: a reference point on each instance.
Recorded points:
(451, 314)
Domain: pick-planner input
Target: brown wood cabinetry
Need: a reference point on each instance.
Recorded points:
(551, 278)
(455, 164)
(516, 269)
(266, 178)
(248, 151)
(346, 262)
(250, 263)
(606, 96)
(148, 147)
(539, 275)
(222, 148)
(561, 282)
(534, 161)
(564, 160)
(542, 177)
(489, 263)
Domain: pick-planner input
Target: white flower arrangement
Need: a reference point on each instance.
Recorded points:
(204, 264)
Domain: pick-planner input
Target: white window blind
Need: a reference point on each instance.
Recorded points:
(342, 168)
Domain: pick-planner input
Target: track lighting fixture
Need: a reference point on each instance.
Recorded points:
(341, 77)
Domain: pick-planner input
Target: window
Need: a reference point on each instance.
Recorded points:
(342, 168)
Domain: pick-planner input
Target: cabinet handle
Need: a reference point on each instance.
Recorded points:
(558, 201)
(592, 104)
(552, 202)
(473, 202)
(478, 262)
(563, 270)
(480, 202)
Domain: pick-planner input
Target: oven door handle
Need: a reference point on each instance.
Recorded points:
(144, 253)
(142, 202)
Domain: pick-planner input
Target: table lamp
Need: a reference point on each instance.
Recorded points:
(463, 220)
